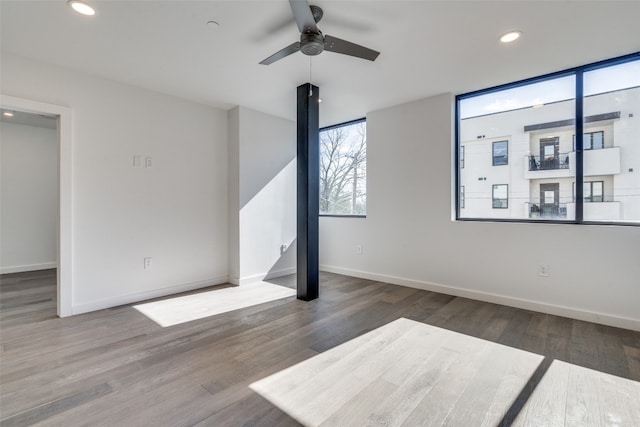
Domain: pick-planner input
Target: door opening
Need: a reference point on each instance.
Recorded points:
(63, 191)
(549, 153)
(550, 200)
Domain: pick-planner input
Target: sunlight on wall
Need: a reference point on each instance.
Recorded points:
(267, 222)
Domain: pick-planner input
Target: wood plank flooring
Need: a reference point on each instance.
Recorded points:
(404, 373)
(173, 311)
(570, 395)
(117, 367)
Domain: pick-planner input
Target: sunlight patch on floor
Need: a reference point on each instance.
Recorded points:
(570, 395)
(178, 310)
(403, 373)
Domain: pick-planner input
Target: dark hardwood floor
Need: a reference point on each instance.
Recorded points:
(115, 367)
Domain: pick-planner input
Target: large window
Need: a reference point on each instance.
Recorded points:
(500, 196)
(592, 191)
(591, 141)
(500, 153)
(343, 169)
(563, 142)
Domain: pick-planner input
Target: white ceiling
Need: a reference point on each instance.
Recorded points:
(427, 47)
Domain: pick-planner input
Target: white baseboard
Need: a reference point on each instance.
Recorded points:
(264, 276)
(557, 310)
(143, 296)
(30, 267)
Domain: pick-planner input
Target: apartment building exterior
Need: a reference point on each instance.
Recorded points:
(520, 163)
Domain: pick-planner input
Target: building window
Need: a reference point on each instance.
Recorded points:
(462, 157)
(532, 130)
(500, 196)
(591, 141)
(500, 153)
(592, 191)
(343, 169)
(462, 197)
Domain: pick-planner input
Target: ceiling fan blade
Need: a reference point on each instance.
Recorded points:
(303, 16)
(292, 48)
(334, 44)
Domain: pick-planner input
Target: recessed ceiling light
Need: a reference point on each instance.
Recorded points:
(510, 36)
(213, 24)
(8, 114)
(81, 7)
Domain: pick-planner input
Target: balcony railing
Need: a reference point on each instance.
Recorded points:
(605, 209)
(604, 161)
(549, 211)
(561, 161)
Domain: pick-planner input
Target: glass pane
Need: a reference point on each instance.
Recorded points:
(500, 153)
(549, 152)
(586, 192)
(597, 140)
(597, 191)
(343, 170)
(500, 191)
(611, 114)
(549, 197)
(525, 123)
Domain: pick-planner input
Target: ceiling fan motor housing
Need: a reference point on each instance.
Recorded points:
(311, 43)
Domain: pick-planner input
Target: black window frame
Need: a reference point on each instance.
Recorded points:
(578, 72)
(590, 146)
(493, 153)
(493, 197)
(589, 184)
(347, 123)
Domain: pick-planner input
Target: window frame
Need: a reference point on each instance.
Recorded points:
(589, 184)
(590, 147)
(493, 197)
(493, 153)
(343, 124)
(578, 72)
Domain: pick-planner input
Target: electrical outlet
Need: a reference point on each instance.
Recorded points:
(359, 249)
(148, 262)
(543, 270)
(283, 248)
(148, 162)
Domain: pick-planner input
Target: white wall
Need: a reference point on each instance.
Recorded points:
(409, 237)
(262, 160)
(175, 212)
(29, 197)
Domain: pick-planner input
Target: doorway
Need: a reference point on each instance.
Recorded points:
(64, 184)
(549, 153)
(550, 200)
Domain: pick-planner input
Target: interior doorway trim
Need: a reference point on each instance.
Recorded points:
(65, 196)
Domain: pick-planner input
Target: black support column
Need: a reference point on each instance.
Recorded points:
(308, 162)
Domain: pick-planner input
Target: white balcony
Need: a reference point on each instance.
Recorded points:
(604, 161)
(596, 211)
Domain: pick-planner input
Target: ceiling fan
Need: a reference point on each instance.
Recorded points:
(312, 41)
